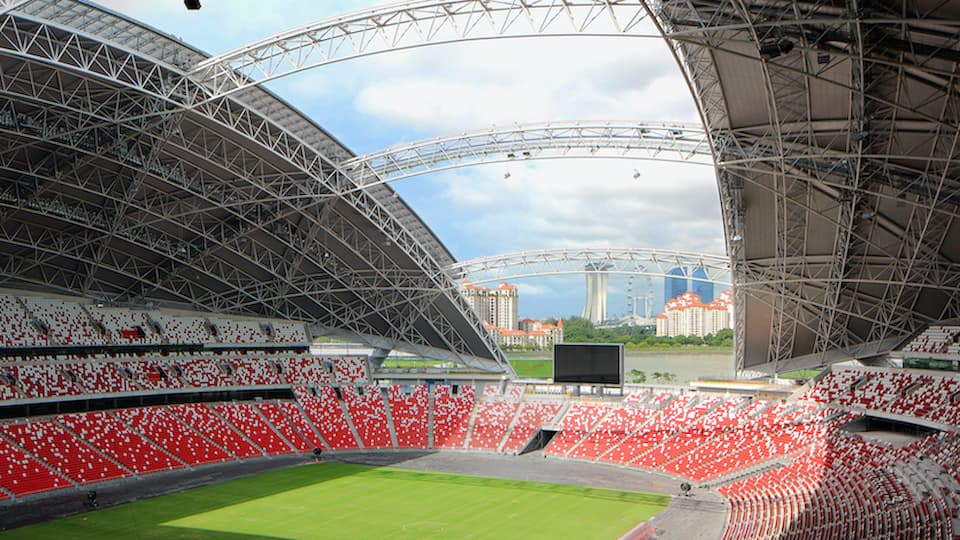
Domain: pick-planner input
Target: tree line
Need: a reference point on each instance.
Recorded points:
(580, 330)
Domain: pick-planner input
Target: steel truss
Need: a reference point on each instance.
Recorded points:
(846, 149)
(546, 262)
(116, 189)
(659, 141)
(867, 174)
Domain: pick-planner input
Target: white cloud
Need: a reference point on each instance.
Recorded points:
(575, 203)
(478, 84)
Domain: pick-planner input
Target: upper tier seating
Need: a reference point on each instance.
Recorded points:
(16, 327)
(183, 329)
(288, 332)
(451, 415)
(236, 332)
(100, 377)
(204, 373)
(409, 410)
(350, 370)
(308, 370)
(125, 326)
(64, 452)
(936, 339)
(45, 380)
(69, 324)
(253, 371)
(926, 395)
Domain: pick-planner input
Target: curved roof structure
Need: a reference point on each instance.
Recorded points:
(706, 267)
(115, 184)
(835, 131)
(659, 141)
(137, 169)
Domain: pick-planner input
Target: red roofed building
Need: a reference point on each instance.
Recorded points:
(497, 306)
(686, 315)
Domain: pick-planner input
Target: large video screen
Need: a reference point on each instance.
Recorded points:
(588, 363)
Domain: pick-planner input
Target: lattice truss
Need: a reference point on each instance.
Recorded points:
(839, 194)
(661, 141)
(548, 262)
(123, 179)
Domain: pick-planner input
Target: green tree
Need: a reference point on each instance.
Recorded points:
(638, 376)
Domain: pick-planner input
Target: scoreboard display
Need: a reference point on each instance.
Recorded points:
(588, 363)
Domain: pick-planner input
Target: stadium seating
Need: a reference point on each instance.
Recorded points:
(237, 332)
(16, 327)
(23, 475)
(273, 413)
(326, 413)
(247, 420)
(45, 380)
(204, 373)
(409, 411)
(293, 413)
(608, 432)
(172, 434)
(308, 371)
(62, 451)
(100, 377)
(183, 330)
(490, 424)
(530, 417)
(68, 322)
(579, 419)
(292, 333)
(350, 370)
(451, 415)
(204, 420)
(936, 339)
(113, 438)
(930, 396)
(254, 371)
(366, 407)
(124, 326)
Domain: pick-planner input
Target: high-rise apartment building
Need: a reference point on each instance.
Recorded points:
(687, 315)
(498, 307)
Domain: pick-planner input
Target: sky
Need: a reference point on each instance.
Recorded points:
(377, 101)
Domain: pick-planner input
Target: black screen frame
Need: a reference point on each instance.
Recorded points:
(585, 378)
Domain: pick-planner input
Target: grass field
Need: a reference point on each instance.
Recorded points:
(356, 501)
(542, 369)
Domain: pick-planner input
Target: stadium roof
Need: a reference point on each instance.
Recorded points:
(136, 170)
(113, 189)
(835, 132)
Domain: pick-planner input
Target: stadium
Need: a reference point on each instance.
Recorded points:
(174, 236)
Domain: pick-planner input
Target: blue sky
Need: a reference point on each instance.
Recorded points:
(374, 102)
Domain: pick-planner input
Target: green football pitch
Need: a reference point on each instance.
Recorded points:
(332, 500)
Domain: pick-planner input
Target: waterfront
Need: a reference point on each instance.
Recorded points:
(687, 365)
